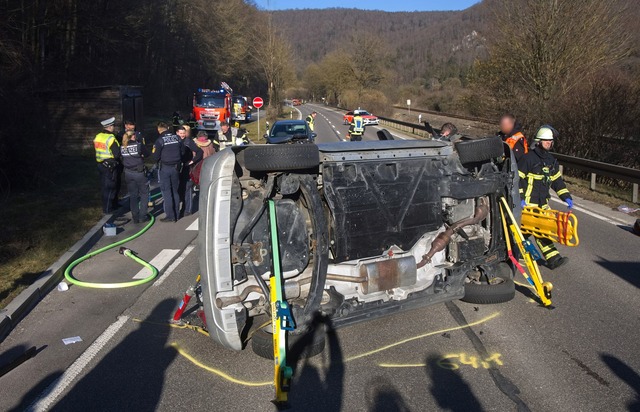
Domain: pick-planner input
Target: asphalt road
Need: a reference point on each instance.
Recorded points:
(581, 356)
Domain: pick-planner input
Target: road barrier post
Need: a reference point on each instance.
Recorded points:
(634, 196)
(593, 181)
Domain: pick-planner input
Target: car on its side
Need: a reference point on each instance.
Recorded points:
(366, 116)
(365, 229)
(290, 131)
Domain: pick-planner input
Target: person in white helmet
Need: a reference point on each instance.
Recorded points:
(539, 172)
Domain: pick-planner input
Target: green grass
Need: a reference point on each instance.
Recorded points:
(38, 226)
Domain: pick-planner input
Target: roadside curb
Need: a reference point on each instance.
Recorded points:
(22, 304)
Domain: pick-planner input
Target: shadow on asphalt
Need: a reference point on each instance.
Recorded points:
(35, 391)
(449, 389)
(626, 374)
(131, 376)
(382, 396)
(309, 391)
(629, 271)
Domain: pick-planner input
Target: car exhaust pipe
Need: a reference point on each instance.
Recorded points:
(442, 240)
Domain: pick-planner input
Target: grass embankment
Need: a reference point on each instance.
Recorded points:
(38, 226)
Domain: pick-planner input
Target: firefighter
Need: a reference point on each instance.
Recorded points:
(311, 120)
(168, 150)
(108, 156)
(511, 134)
(133, 153)
(356, 129)
(539, 172)
(191, 155)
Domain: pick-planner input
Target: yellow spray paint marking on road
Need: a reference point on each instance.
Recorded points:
(217, 371)
(174, 325)
(402, 342)
(453, 362)
(349, 359)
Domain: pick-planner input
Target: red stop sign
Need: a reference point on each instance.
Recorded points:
(258, 102)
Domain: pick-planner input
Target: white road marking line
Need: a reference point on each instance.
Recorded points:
(193, 225)
(161, 260)
(57, 387)
(611, 220)
(174, 265)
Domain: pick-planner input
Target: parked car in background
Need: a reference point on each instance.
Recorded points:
(366, 116)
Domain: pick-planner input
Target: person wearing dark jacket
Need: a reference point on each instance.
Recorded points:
(191, 155)
(133, 154)
(539, 172)
(511, 134)
(168, 150)
(108, 156)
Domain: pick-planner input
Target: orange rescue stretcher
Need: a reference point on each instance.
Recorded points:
(559, 227)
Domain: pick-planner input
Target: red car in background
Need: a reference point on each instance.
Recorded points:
(366, 116)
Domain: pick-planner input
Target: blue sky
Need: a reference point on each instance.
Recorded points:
(387, 5)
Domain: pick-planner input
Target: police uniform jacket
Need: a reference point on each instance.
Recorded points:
(168, 149)
(539, 172)
(133, 156)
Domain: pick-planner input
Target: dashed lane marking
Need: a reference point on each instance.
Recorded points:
(174, 265)
(193, 225)
(161, 260)
(57, 387)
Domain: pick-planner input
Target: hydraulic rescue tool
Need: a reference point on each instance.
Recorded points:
(194, 290)
(559, 227)
(529, 253)
(281, 319)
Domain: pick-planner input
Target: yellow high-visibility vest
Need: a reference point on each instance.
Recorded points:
(102, 143)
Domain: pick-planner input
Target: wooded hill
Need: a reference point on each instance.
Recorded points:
(421, 44)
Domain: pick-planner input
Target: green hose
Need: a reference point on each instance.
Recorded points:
(126, 252)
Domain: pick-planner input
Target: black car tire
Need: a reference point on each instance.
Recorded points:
(384, 134)
(485, 294)
(479, 150)
(275, 158)
(262, 344)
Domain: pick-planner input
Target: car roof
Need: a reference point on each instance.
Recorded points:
(289, 122)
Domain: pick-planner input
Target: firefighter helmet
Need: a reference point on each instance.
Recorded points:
(546, 132)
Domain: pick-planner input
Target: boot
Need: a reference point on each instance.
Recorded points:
(556, 261)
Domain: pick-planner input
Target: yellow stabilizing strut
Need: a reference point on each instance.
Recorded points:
(281, 319)
(559, 227)
(534, 277)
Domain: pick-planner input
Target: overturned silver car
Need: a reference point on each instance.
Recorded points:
(366, 229)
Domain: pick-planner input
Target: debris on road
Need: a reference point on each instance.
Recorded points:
(69, 341)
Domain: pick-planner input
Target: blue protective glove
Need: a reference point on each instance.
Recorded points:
(569, 203)
(523, 203)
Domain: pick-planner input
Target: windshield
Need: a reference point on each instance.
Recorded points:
(283, 130)
(363, 113)
(210, 101)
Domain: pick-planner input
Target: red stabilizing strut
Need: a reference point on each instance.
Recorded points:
(182, 307)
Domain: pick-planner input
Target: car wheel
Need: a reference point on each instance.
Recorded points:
(299, 346)
(479, 150)
(276, 158)
(503, 290)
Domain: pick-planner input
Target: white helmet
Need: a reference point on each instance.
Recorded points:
(546, 132)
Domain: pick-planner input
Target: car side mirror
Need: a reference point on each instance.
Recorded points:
(314, 135)
(265, 136)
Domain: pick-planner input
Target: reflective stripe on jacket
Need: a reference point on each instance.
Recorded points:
(539, 172)
(102, 143)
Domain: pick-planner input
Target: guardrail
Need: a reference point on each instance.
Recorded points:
(625, 174)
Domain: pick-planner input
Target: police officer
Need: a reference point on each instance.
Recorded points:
(168, 150)
(191, 155)
(311, 120)
(133, 153)
(539, 172)
(356, 129)
(107, 156)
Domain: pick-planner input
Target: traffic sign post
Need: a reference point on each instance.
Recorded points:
(258, 103)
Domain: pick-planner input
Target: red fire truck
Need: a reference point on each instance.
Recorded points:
(212, 106)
